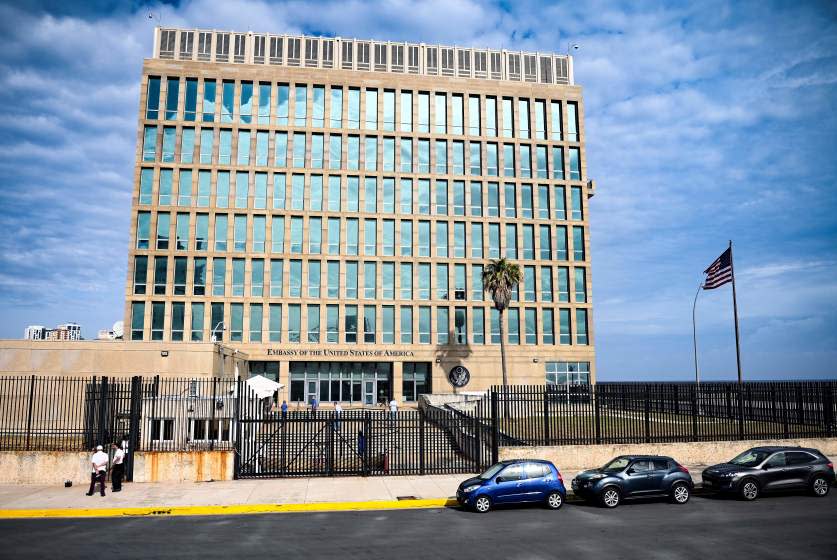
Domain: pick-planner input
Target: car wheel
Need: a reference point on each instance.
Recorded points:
(482, 504)
(749, 490)
(680, 493)
(555, 500)
(819, 486)
(611, 497)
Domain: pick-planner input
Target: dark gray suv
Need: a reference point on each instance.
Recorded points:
(765, 469)
(632, 476)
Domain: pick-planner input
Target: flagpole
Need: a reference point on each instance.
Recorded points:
(735, 311)
(694, 333)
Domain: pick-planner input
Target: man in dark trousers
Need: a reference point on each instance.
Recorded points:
(99, 464)
(118, 469)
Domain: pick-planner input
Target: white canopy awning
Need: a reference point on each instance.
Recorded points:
(262, 386)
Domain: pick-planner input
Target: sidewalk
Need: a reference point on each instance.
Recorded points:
(253, 495)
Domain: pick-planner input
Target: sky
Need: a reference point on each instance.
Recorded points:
(705, 122)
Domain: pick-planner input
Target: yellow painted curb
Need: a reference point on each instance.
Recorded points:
(225, 510)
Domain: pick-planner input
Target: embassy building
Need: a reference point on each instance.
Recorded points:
(325, 207)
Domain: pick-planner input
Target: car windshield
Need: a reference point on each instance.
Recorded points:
(617, 464)
(750, 458)
(492, 470)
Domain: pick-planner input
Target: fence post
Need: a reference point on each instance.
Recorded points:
(29, 414)
(827, 409)
(495, 429)
(421, 440)
(477, 440)
(647, 415)
(740, 412)
(367, 432)
(596, 407)
(546, 435)
(695, 397)
(238, 429)
(103, 392)
(212, 414)
(134, 425)
(330, 447)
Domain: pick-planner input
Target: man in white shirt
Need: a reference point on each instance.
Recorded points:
(338, 412)
(393, 408)
(99, 464)
(118, 468)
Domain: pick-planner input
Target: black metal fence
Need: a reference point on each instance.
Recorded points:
(657, 412)
(153, 414)
(351, 442)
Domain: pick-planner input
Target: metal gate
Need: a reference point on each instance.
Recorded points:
(355, 442)
(112, 411)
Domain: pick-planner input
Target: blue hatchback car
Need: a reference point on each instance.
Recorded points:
(514, 482)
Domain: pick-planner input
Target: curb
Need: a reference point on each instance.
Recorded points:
(174, 511)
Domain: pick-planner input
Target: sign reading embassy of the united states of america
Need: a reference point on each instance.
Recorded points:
(333, 353)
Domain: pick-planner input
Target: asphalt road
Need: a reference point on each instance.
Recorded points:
(793, 526)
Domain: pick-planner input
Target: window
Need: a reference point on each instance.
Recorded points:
(315, 235)
(528, 241)
(477, 290)
(424, 196)
(207, 140)
(294, 322)
(423, 281)
(478, 331)
(352, 236)
(227, 101)
(555, 117)
(274, 323)
(513, 320)
(137, 320)
(333, 236)
(474, 115)
(295, 284)
(511, 241)
(280, 149)
(260, 196)
(351, 279)
(336, 107)
(530, 325)
(199, 277)
(163, 226)
(442, 281)
(406, 238)
(242, 189)
(575, 169)
(369, 320)
(572, 122)
(314, 273)
(441, 156)
(149, 144)
(442, 325)
(526, 201)
(491, 116)
(181, 232)
(276, 277)
(371, 114)
(158, 309)
(389, 154)
(406, 111)
(406, 156)
(546, 283)
(545, 242)
(332, 324)
(388, 280)
(388, 233)
(240, 232)
(459, 240)
(564, 327)
(440, 111)
(508, 118)
(406, 325)
(160, 272)
(563, 284)
(541, 170)
(225, 147)
(255, 334)
(423, 239)
(548, 325)
(370, 280)
(172, 92)
(567, 373)
(388, 324)
(529, 288)
(350, 324)
(460, 325)
(523, 117)
(423, 156)
(494, 324)
(245, 108)
(208, 102)
(424, 325)
(575, 197)
(264, 103)
(423, 112)
(441, 239)
(540, 120)
(152, 106)
(491, 165)
(277, 234)
(580, 284)
(370, 157)
(300, 104)
(494, 241)
(238, 277)
(333, 279)
(561, 243)
(216, 321)
(298, 150)
(508, 160)
(475, 159)
(162, 429)
(318, 107)
(406, 281)
(370, 237)
(187, 145)
(354, 109)
(317, 148)
(140, 274)
(197, 322)
(581, 326)
(578, 243)
(221, 221)
(557, 162)
(313, 312)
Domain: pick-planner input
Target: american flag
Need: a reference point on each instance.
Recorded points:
(719, 272)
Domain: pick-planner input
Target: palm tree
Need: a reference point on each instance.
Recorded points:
(499, 279)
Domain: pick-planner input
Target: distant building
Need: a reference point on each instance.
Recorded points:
(106, 334)
(35, 332)
(66, 331)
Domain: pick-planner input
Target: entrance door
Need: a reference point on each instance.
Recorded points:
(311, 392)
(369, 392)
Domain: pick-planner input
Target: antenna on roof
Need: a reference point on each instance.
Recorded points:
(152, 15)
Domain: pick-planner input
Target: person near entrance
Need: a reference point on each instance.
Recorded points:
(338, 412)
(99, 464)
(314, 404)
(393, 411)
(284, 409)
(117, 470)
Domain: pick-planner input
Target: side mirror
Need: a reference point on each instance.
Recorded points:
(499, 479)
(630, 471)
